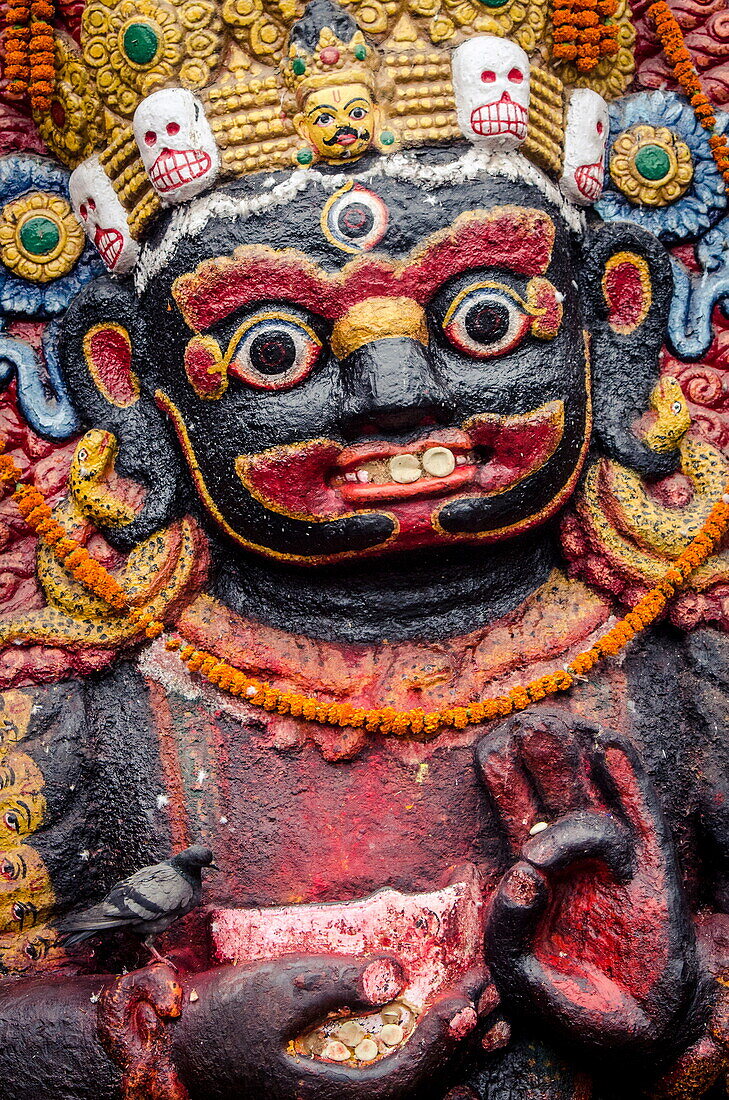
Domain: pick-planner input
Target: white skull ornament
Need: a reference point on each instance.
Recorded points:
(176, 144)
(491, 85)
(97, 206)
(588, 125)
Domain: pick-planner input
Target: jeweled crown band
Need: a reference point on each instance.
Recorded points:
(164, 97)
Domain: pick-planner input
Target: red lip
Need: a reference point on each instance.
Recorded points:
(305, 480)
(346, 139)
(359, 496)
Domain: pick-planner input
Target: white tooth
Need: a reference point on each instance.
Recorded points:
(404, 469)
(363, 476)
(439, 461)
(461, 460)
(350, 476)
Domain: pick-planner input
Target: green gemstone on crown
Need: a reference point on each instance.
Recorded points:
(652, 162)
(39, 236)
(387, 137)
(305, 156)
(493, 3)
(360, 52)
(298, 66)
(141, 43)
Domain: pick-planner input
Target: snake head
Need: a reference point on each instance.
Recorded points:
(94, 456)
(670, 419)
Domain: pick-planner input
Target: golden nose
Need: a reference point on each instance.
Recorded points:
(378, 319)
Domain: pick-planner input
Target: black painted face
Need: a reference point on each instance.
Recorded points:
(377, 369)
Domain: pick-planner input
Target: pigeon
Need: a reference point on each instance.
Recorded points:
(146, 903)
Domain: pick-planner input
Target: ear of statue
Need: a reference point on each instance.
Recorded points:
(626, 286)
(103, 350)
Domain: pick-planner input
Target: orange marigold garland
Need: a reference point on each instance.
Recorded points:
(16, 38)
(42, 55)
(670, 36)
(386, 720)
(579, 34)
(35, 511)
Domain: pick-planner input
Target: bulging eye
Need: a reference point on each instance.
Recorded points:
(324, 119)
(273, 351)
(486, 320)
(358, 113)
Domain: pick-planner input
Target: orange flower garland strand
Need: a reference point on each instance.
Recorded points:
(386, 720)
(16, 37)
(579, 34)
(42, 55)
(670, 36)
(37, 514)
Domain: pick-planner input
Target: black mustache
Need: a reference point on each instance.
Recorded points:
(347, 131)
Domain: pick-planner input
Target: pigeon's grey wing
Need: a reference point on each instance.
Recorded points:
(144, 898)
(98, 917)
(152, 892)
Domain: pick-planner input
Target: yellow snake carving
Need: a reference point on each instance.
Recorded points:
(154, 575)
(88, 484)
(635, 531)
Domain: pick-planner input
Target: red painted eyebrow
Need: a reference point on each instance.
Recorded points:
(517, 238)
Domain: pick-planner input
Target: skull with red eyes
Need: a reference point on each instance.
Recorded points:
(588, 124)
(176, 144)
(97, 207)
(491, 85)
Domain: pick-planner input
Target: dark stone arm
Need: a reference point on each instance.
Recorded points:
(49, 1044)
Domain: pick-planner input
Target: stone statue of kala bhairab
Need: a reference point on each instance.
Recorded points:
(365, 520)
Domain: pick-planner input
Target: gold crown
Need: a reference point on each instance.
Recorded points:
(242, 59)
(333, 61)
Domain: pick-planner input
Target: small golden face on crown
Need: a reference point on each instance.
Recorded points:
(333, 99)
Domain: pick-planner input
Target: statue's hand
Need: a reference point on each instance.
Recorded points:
(589, 928)
(235, 1037)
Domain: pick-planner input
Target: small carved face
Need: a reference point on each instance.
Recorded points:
(338, 122)
(588, 124)
(176, 144)
(491, 85)
(97, 207)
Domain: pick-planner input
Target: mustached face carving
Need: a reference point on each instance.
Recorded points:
(491, 85)
(176, 144)
(588, 125)
(97, 207)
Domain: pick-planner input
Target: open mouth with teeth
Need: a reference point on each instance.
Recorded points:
(504, 117)
(370, 473)
(174, 168)
(109, 243)
(588, 178)
(320, 479)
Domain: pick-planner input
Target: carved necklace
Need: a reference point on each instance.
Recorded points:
(386, 720)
